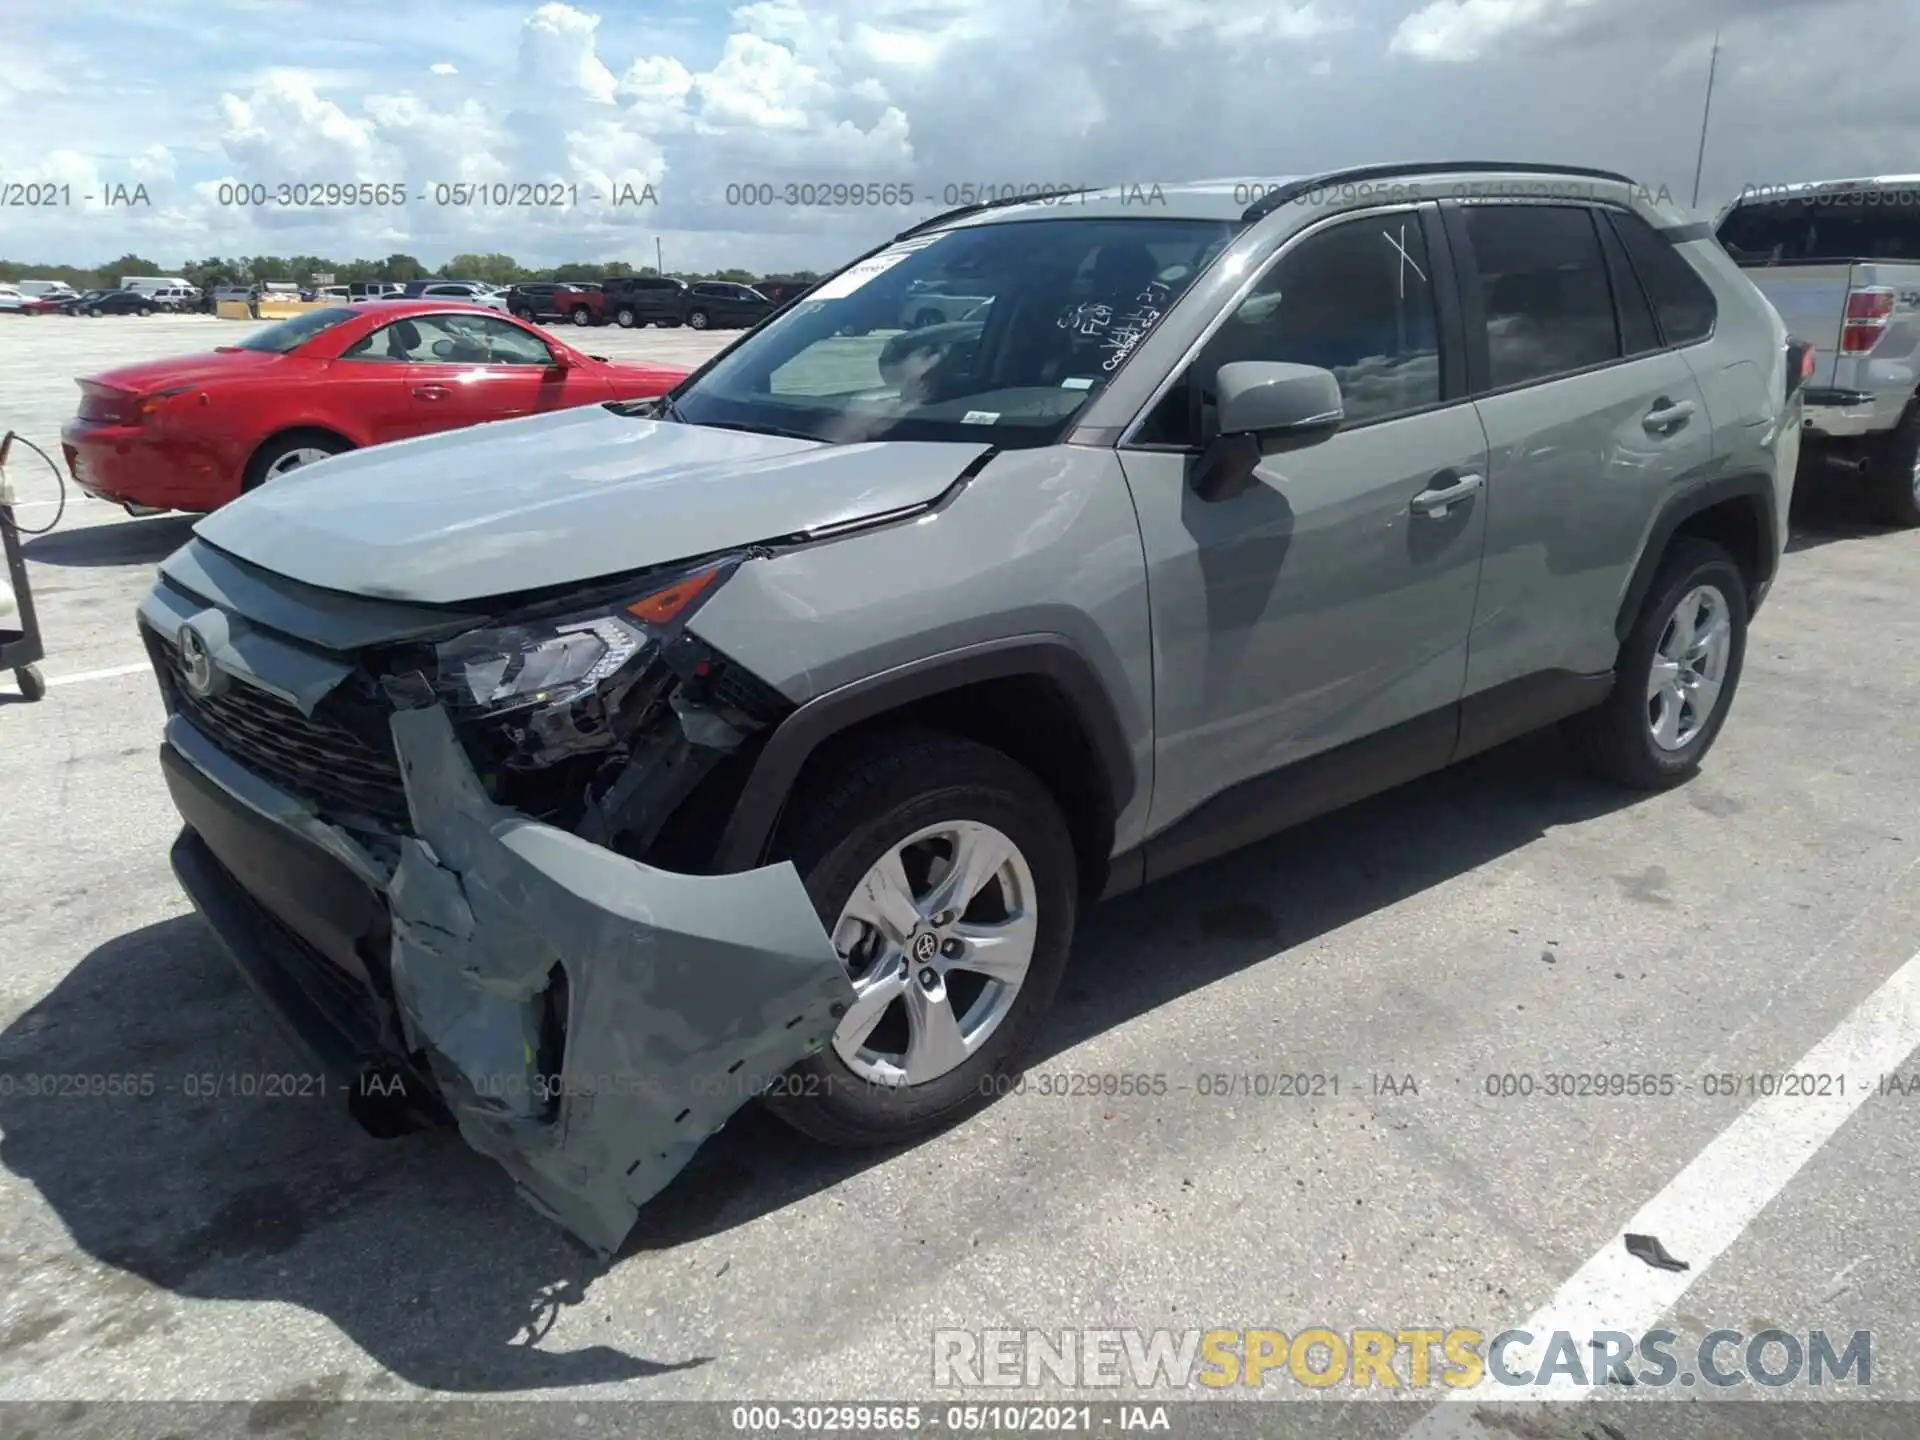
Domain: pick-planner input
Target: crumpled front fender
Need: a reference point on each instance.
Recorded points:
(683, 995)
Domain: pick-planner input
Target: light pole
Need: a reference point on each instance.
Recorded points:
(1699, 159)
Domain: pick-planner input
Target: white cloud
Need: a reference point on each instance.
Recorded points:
(936, 93)
(557, 48)
(1174, 21)
(1463, 30)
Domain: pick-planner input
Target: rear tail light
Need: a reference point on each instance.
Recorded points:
(107, 405)
(149, 404)
(1869, 309)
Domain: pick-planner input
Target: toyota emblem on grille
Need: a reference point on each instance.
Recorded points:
(197, 669)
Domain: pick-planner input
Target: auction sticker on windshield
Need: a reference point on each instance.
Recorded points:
(854, 276)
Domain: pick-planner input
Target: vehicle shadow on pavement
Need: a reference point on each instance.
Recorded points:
(122, 542)
(416, 1248)
(1836, 510)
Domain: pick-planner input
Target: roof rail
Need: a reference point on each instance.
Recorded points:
(973, 209)
(1272, 201)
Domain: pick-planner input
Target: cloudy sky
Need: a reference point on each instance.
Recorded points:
(697, 99)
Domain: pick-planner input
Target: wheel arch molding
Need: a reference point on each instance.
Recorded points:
(1693, 511)
(1049, 659)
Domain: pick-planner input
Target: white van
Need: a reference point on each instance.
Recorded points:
(146, 283)
(45, 289)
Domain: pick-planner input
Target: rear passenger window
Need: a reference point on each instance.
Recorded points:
(1681, 299)
(1543, 290)
(1638, 333)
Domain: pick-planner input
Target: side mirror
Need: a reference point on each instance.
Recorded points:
(1264, 407)
(563, 361)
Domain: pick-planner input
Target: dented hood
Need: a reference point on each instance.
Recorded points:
(562, 498)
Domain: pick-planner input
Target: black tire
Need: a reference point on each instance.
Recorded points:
(33, 685)
(624, 317)
(521, 314)
(1893, 477)
(1613, 739)
(848, 810)
(146, 310)
(269, 454)
(697, 320)
(582, 316)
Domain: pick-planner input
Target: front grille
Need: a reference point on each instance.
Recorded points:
(345, 776)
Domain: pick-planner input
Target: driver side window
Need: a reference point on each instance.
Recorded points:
(450, 340)
(1355, 299)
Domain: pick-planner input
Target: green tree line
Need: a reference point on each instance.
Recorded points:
(301, 269)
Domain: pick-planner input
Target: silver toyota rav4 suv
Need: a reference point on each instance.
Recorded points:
(580, 778)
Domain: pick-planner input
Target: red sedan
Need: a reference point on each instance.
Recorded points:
(193, 432)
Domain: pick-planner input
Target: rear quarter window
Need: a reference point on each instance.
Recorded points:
(1682, 302)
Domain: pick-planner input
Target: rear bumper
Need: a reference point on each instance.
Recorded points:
(587, 1020)
(127, 465)
(1844, 414)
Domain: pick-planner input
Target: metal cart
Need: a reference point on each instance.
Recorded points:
(20, 647)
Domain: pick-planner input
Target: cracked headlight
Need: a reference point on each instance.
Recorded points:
(554, 660)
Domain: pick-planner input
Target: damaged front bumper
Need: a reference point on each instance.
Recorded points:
(587, 1020)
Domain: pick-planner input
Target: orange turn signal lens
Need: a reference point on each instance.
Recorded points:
(663, 606)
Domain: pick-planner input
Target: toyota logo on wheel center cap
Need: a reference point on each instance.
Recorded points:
(925, 946)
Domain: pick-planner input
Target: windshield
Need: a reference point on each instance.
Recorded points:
(291, 334)
(998, 333)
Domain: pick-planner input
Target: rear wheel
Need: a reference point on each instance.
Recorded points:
(146, 309)
(624, 317)
(945, 876)
(288, 453)
(582, 315)
(697, 319)
(1676, 675)
(1894, 475)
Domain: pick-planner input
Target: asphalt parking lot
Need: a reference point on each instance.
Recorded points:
(1505, 918)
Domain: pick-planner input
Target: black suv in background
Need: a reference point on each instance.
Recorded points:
(722, 305)
(631, 300)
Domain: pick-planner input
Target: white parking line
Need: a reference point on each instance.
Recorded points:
(110, 673)
(1703, 1210)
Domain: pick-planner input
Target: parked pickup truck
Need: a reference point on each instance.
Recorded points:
(1840, 260)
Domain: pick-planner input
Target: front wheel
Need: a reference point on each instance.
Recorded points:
(624, 317)
(697, 319)
(146, 310)
(1677, 672)
(946, 878)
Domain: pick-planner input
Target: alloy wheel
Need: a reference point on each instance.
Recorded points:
(937, 938)
(294, 459)
(1689, 667)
